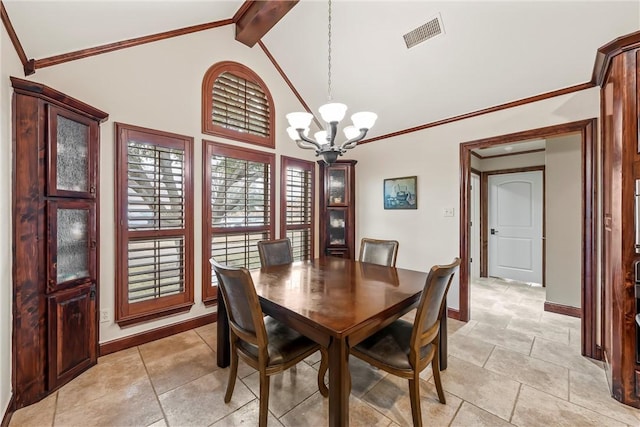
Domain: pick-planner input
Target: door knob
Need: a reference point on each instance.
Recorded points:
(494, 231)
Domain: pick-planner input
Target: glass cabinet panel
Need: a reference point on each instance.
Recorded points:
(71, 159)
(336, 227)
(71, 226)
(70, 152)
(336, 186)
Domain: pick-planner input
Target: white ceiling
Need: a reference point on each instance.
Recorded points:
(491, 53)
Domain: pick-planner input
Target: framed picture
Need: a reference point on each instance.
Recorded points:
(400, 193)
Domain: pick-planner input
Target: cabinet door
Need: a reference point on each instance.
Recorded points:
(72, 345)
(71, 154)
(337, 189)
(337, 227)
(72, 243)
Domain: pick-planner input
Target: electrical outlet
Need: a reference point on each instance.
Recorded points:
(447, 211)
(105, 316)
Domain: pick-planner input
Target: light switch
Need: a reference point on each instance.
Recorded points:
(447, 211)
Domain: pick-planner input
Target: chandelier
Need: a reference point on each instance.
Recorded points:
(332, 113)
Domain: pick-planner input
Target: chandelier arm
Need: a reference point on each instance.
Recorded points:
(305, 139)
(354, 141)
(306, 146)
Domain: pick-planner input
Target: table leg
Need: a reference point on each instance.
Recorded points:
(339, 383)
(443, 341)
(222, 346)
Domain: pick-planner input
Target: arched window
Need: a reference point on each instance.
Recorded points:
(236, 104)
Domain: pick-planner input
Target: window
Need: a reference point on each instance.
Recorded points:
(154, 217)
(297, 206)
(236, 104)
(238, 208)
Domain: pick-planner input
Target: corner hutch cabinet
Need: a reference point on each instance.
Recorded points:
(338, 209)
(55, 239)
(617, 71)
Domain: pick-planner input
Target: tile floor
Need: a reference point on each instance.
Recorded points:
(512, 364)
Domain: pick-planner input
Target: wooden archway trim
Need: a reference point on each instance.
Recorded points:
(587, 129)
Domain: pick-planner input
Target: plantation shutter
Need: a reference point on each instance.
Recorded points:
(297, 204)
(156, 202)
(240, 105)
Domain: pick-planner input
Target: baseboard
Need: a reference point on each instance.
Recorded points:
(155, 334)
(562, 309)
(453, 313)
(9, 412)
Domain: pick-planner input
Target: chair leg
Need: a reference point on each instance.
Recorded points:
(414, 397)
(435, 366)
(324, 365)
(264, 399)
(233, 373)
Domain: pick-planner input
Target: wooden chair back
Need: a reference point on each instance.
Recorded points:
(275, 252)
(382, 252)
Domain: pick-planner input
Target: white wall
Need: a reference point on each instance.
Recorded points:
(158, 86)
(563, 211)
(427, 237)
(9, 65)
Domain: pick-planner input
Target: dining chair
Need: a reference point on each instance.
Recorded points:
(275, 252)
(404, 349)
(382, 252)
(263, 342)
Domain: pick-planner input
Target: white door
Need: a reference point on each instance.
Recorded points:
(474, 228)
(515, 226)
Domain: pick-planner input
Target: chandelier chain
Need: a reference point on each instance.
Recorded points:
(329, 56)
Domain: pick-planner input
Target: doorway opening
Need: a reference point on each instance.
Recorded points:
(587, 132)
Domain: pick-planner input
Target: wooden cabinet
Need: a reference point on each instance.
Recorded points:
(55, 239)
(337, 209)
(617, 71)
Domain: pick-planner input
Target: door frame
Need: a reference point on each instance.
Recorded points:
(484, 216)
(587, 129)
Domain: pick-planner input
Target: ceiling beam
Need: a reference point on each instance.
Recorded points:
(27, 64)
(255, 18)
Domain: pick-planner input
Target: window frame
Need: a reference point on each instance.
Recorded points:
(239, 70)
(309, 166)
(211, 148)
(127, 313)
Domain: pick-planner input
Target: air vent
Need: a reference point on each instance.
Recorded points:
(424, 32)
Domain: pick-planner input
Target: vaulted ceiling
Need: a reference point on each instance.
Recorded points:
(491, 53)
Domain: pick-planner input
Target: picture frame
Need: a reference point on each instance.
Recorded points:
(400, 193)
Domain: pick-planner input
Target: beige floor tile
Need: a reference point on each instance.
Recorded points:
(287, 389)
(110, 375)
(535, 408)
(160, 423)
(138, 407)
(201, 402)
(39, 414)
(470, 349)
(591, 391)
(454, 325)
(508, 338)
(520, 310)
(472, 416)
(468, 326)
(545, 376)
(565, 355)
(314, 411)
(158, 349)
(542, 330)
(487, 390)
(209, 334)
(248, 415)
(489, 317)
(562, 320)
(179, 365)
(391, 397)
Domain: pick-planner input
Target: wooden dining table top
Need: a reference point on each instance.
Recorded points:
(336, 294)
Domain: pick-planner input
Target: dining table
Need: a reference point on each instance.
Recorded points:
(336, 302)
